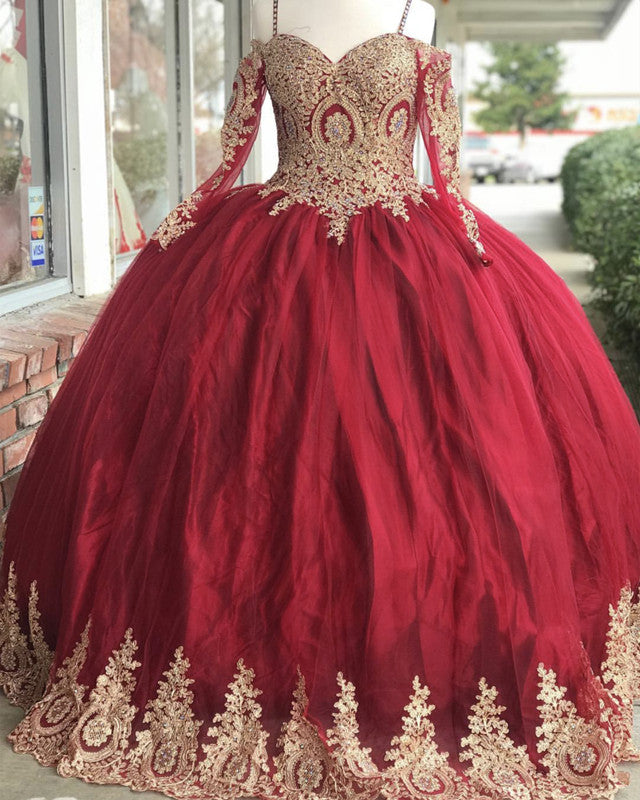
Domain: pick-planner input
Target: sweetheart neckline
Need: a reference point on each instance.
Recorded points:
(351, 49)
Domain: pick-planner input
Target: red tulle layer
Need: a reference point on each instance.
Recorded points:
(381, 459)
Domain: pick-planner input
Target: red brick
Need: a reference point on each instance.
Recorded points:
(46, 334)
(32, 411)
(17, 365)
(64, 339)
(82, 317)
(9, 483)
(63, 367)
(26, 341)
(61, 319)
(7, 423)
(15, 452)
(13, 393)
(32, 354)
(92, 305)
(52, 391)
(41, 327)
(41, 380)
(78, 341)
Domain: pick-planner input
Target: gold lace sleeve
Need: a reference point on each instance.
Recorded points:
(239, 130)
(441, 129)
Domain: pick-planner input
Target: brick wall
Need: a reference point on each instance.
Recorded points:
(37, 345)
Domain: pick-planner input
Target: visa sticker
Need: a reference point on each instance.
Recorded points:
(38, 254)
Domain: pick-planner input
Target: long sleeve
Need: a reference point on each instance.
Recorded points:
(441, 129)
(239, 131)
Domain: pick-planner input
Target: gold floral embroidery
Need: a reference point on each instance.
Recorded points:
(446, 127)
(346, 129)
(239, 122)
(575, 751)
(98, 741)
(45, 730)
(577, 754)
(497, 765)
(168, 746)
(353, 760)
(92, 738)
(177, 221)
(23, 668)
(42, 656)
(620, 670)
(15, 658)
(235, 763)
(419, 768)
(304, 768)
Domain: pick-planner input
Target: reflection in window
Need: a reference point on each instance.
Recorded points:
(208, 84)
(22, 207)
(139, 119)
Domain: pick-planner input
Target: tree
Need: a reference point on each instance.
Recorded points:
(521, 89)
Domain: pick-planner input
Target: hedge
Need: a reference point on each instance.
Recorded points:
(601, 188)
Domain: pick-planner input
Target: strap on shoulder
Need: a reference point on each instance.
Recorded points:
(404, 16)
(275, 17)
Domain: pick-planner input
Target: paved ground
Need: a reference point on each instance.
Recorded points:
(531, 212)
(22, 778)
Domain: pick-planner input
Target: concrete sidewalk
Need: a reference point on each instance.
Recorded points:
(23, 778)
(533, 213)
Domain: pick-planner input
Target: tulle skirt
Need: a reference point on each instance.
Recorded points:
(308, 519)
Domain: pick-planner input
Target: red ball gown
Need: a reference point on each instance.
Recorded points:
(340, 497)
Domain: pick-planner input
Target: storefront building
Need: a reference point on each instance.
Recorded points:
(110, 111)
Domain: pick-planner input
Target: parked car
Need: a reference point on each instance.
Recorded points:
(480, 157)
(530, 165)
(517, 167)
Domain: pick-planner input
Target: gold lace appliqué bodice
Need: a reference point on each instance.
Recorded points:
(346, 133)
(346, 129)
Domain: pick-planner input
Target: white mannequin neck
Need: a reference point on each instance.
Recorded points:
(335, 27)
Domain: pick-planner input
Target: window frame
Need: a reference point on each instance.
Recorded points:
(47, 120)
(53, 85)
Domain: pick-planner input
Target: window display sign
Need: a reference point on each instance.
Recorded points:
(36, 226)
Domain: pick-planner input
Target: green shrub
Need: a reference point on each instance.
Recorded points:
(617, 236)
(620, 303)
(601, 202)
(592, 172)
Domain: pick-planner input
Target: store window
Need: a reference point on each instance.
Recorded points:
(167, 102)
(24, 231)
(208, 84)
(139, 61)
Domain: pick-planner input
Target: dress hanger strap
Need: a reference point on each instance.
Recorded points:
(275, 17)
(404, 16)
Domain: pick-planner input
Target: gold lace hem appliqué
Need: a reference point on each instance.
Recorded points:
(90, 735)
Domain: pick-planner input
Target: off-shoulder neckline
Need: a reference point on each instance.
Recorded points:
(351, 50)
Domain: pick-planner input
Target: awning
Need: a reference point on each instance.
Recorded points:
(532, 20)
